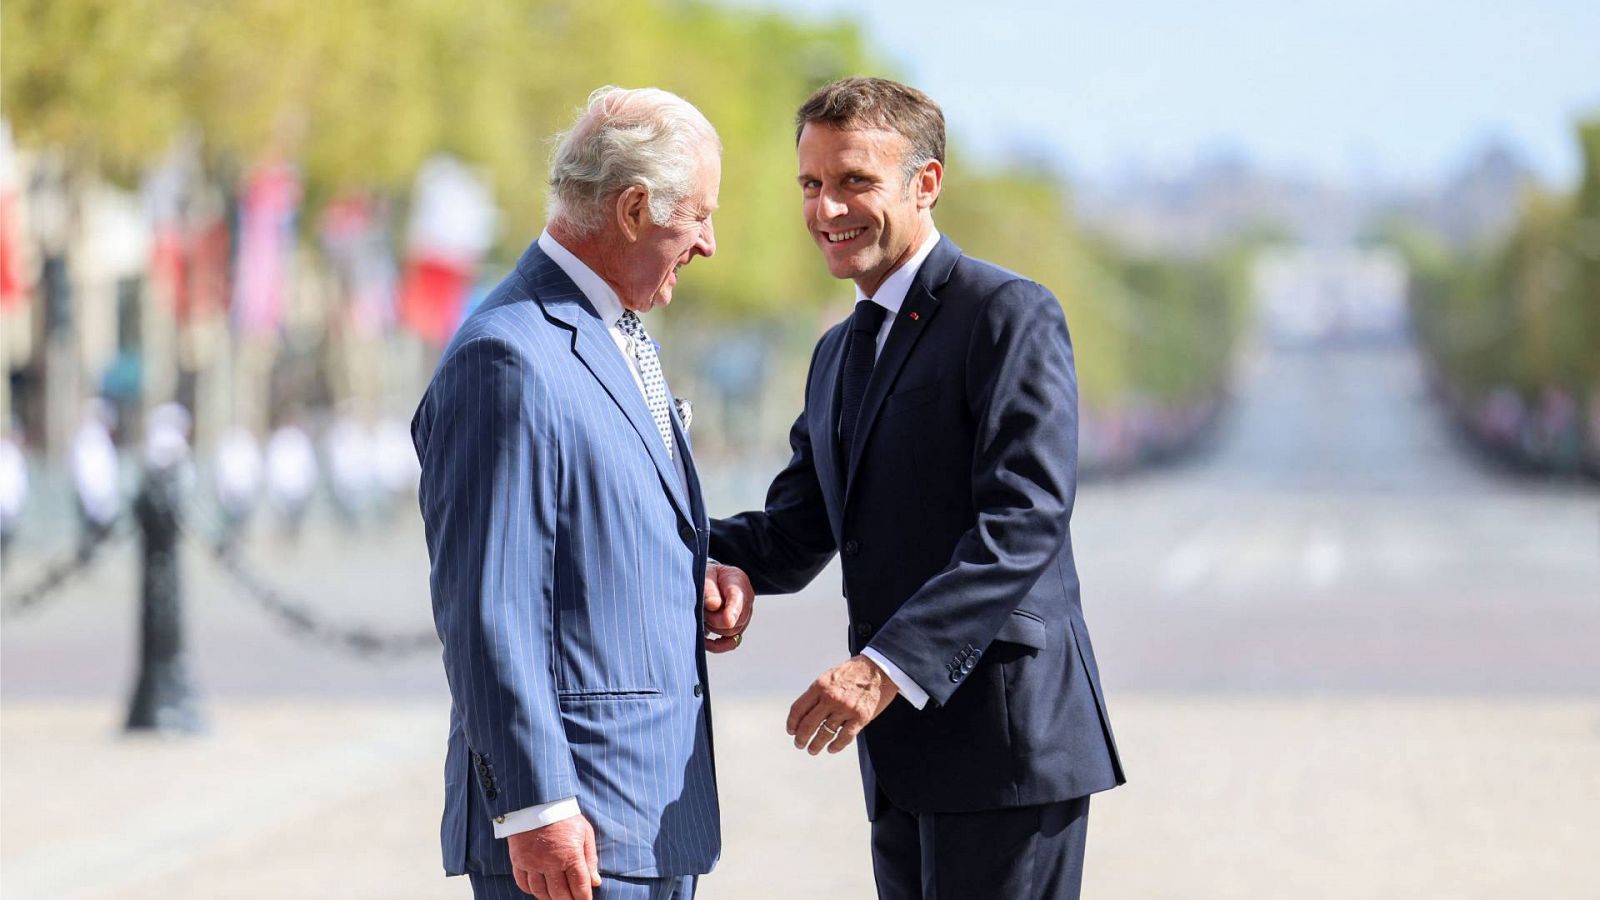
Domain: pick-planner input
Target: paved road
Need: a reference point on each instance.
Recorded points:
(1335, 537)
(1361, 659)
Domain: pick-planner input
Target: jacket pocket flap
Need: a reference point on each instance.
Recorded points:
(583, 696)
(1022, 628)
(910, 398)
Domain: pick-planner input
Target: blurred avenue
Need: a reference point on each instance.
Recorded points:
(1333, 630)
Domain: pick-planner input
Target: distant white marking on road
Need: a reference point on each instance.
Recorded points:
(1189, 563)
(1323, 560)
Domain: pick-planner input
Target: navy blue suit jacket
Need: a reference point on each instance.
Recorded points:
(951, 512)
(567, 560)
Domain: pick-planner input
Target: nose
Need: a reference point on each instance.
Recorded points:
(706, 245)
(830, 207)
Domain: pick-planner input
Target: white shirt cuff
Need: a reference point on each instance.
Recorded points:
(909, 689)
(531, 817)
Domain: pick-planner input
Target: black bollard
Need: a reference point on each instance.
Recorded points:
(164, 699)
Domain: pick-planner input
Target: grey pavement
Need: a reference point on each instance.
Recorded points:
(1336, 797)
(1344, 658)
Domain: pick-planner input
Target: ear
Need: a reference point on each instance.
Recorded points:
(633, 211)
(928, 183)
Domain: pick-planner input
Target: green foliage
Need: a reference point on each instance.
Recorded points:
(1019, 220)
(1526, 312)
(358, 93)
(1182, 318)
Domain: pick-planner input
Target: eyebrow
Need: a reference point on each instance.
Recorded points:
(861, 173)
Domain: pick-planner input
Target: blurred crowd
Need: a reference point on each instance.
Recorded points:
(188, 313)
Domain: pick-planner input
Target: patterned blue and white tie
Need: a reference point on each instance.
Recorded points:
(655, 386)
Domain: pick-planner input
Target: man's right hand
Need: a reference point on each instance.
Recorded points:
(558, 861)
(729, 602)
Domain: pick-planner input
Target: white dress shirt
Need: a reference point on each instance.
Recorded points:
(891, 295)
(609, 306)
(599, 294)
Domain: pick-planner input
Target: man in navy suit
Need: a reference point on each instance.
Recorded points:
(568, 537)
(937, 451)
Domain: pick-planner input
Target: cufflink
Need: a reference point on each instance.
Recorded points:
(499, 820)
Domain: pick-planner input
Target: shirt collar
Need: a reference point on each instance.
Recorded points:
(891, 294)
(600, 294)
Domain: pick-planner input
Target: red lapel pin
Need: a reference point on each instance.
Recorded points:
(914, 316)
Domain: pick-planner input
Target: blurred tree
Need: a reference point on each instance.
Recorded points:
(359, 93)
(1020, 219)
(1585, 240)
(1513, 330)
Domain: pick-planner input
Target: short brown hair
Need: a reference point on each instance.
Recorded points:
(861, 104)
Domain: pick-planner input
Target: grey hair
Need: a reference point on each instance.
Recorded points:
(622, 137)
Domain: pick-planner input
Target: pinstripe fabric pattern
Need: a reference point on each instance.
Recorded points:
(504, 887)
(567, 555)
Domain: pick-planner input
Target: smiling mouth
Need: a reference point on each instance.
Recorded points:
(839, 237)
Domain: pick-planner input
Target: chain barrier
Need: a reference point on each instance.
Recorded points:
(65, 569)
(301, 620)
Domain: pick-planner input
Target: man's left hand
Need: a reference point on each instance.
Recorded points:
(841, 702)
(729, 601)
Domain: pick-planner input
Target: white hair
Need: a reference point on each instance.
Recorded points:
(646, 137)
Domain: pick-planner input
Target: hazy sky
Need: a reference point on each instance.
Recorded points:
(1401, 89)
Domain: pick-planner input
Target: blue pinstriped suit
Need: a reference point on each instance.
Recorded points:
(568, 552)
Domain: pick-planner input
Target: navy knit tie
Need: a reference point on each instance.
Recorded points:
(859, 356)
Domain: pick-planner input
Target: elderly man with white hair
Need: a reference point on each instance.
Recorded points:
(567, 535)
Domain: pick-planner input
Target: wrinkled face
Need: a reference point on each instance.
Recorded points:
(654, 258)
(863, 214)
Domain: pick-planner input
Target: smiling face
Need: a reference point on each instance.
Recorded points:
(859, 208)
(651, 258)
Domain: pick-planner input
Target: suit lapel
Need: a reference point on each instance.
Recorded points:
(916, 314)
(823, 425)
(564, 303)
(691, 475)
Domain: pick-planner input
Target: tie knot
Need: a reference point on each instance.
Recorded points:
(631, 326)
(868, 317)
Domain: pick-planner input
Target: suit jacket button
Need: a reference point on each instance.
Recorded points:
(851, 547)
(687, 533)
(698, 690)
